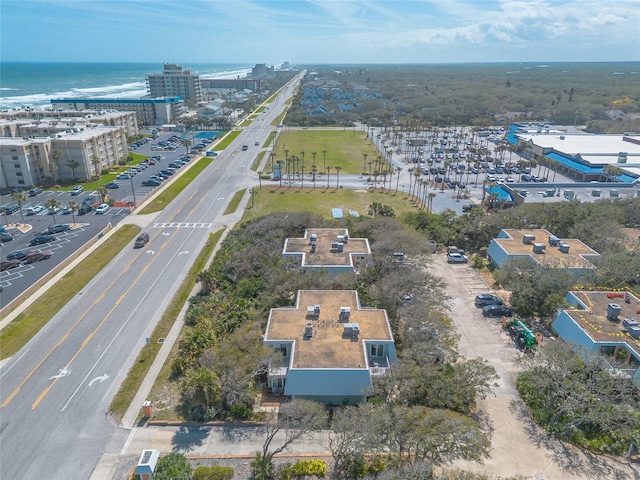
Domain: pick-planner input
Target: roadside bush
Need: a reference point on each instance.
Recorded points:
(309, 467)
(215, 472)
(173, 466)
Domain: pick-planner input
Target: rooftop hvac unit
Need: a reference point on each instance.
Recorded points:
(553, 240)
(634, 332)
(351, 329)
(528, 239)
(345, 313)
(539, 247)
(316, 309)
(613, 310)
(346, 238)
(340, 238)
(313, 239)
(308, 329)
(337, 246)
(312, 248)
(629, 322)
(563, 247)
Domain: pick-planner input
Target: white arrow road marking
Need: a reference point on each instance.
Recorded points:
(150, 252)
(99, 379)
(166, 234)
(63, 372)
(183, 253)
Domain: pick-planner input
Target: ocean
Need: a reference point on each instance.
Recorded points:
(35, 84)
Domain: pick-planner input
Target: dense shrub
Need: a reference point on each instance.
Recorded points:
(214, 472)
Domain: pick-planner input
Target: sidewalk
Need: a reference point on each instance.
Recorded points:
(188, 439)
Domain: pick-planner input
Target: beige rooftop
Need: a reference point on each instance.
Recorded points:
(595, 321)
(552, 256)
(324, 254)
(328, 346)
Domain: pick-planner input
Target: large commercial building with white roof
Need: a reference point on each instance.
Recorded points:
(584, 157)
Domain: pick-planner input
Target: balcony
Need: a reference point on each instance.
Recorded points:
(379, 365)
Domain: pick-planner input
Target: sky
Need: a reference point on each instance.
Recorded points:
(320, 31)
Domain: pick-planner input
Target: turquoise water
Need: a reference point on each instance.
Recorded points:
(35, 84)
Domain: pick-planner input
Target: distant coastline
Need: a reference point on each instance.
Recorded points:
(36, 83)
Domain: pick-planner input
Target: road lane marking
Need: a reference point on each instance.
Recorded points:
(91, 335)
(61, 341)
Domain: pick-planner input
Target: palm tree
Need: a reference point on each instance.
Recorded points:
(73, 164)
(56, 155)
(431, 196)
(259, 172)
(398, 170)
(328, 175)
(73, 207)
(52, 205)
(314, 169)
(280, 162)
(187, 143)
(364, 162)
(19, 198)
(324, 160)
(95, 161)
(103, 192)
(338, 176)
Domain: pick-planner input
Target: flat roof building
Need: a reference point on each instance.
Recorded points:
(28, 161)
(544, 248)
(150, 111)
(585, 157)
(331, 347)
(233, 83)
(607, 323)
(331, 249)
(175, 81)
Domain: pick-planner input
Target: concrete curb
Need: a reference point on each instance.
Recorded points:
(108, 463)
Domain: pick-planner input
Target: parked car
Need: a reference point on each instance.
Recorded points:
(141, 241)
(57, 228)
(496, 311)
(123, 176)
(102, 208)
(151, 183)
(41, 239)
(35, 191)
(52, 210)
(85, 208)
(467, 207)
(37, 255)
(112, 185)
(8, 264)
(89, 200)
(17, 255)
(5, 237)
(9, 209)
(457, 258)
(34, 210)
(77, 190)
(484, 299)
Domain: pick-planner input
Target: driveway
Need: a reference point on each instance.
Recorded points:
(519, 447)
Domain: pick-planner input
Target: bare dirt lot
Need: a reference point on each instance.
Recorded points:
(519, 446)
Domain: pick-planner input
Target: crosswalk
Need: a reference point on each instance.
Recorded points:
(182, 225)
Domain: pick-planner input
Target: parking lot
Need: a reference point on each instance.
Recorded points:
(518, 445)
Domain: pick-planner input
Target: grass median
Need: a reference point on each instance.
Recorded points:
(147, 355)
(27, 324)
(173, 190)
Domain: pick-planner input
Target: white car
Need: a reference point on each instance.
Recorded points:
(102, 208)
(34, 210)
(77, 190)
(457, 258)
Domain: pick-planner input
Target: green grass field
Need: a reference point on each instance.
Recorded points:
(321, 200)
(344, 148)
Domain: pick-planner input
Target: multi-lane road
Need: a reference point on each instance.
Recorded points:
(56, 391)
